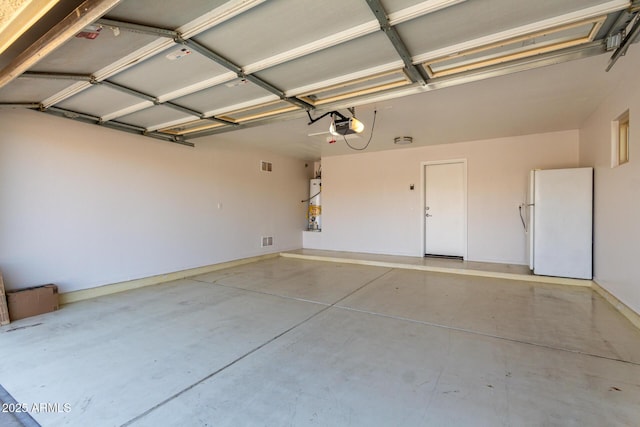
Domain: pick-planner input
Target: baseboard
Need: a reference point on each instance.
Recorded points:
(624, 309)
(84, 294)
(461, 271)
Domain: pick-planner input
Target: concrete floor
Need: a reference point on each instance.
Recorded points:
(294, 342)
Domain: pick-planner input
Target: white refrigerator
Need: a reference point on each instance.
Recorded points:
(560, 222)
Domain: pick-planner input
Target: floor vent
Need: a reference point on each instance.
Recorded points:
(267, 241)
(459, 258)
(266, 166)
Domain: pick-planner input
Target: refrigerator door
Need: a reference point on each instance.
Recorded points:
(562, 243)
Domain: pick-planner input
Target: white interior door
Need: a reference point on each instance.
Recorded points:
(445, 209)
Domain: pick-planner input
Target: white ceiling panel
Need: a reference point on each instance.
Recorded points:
(99, 101)
(85, 56)
(276, 26)
(485, 17)
(360, 54)
(156, 117)
(32, 90)
(225, 95)
(160, 74)
(169, 14)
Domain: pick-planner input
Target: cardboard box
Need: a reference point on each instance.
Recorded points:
(4, 311)
(32, 301)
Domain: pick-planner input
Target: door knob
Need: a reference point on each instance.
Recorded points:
(428, 215)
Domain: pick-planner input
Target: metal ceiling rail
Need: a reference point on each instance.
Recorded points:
(220, 60)
(156, 101)
(127, 90)
(87, 118)
(628, 40)
(138, 28)
(124, 89)
(55, 76)
(12, 105)
(550, 58)
(415, 74)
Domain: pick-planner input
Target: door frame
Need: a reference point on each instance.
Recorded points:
(423, 201)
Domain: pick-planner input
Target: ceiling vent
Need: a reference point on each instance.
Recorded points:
(403, 140)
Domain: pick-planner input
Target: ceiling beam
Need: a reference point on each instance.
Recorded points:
(622, 49)
(138, 28)
(13, 105)
(87, 118)
(55, 76)
(416, 74)
(18, 17)
(127, 90)
(82, 16)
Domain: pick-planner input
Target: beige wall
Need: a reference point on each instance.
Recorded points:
(83, 206)
(367, 205)
(617, 190)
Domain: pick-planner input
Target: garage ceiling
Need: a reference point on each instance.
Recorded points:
(181, 71)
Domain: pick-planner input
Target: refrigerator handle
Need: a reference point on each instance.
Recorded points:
(524, 205)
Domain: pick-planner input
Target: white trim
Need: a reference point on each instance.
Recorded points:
(217, 16)
(423, 167)
(65, 93)
(134, 58)
(420, 9)
(128, 110)
(196, 87)
(172, 123)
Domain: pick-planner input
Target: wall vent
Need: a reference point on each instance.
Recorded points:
(266, 166)
(267, 241)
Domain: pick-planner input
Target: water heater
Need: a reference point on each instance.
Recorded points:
(315, 209)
